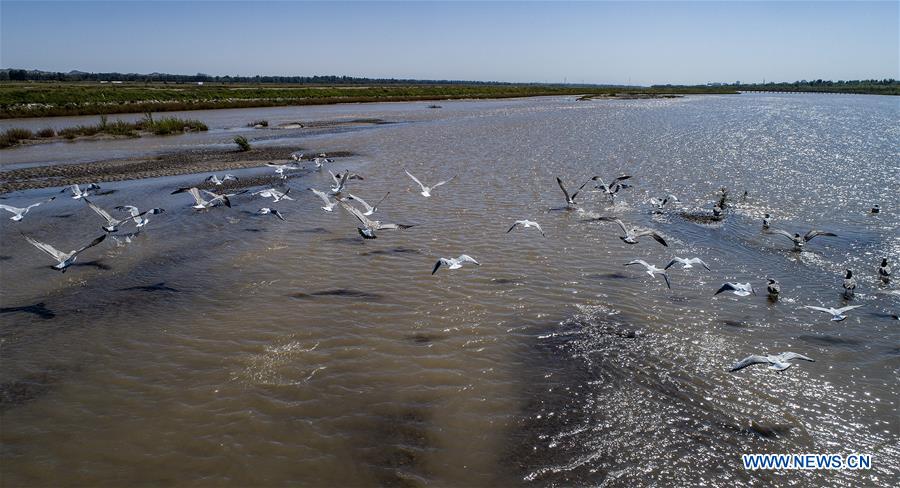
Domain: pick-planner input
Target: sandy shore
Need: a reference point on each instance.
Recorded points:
(177, 163)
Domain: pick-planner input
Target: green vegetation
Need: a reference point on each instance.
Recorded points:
(243, 144)
(163, 126)
(36, 99)
(887, 86)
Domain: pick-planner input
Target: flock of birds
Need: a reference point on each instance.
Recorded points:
(337, 195)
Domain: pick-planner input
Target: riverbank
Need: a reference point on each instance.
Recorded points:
(175, 163)
(47, 99)
(102, 130)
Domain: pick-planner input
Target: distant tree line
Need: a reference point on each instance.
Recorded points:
(886, 86)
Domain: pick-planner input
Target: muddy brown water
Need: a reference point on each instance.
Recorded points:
(225, 348)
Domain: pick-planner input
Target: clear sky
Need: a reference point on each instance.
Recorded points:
(591, 42)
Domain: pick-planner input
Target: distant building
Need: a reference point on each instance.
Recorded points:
(116, 82)
(200, 83)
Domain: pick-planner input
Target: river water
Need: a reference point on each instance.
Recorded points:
(269, 353)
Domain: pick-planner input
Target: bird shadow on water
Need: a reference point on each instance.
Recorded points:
(5, 258)
(39, 309)
(93, 264)
(338, 293)
(391, 251)
(827, 340)
(314, 230)
(161, 286)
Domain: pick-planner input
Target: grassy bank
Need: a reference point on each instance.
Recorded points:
(147, 125)
(41, 99)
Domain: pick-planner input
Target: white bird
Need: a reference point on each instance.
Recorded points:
(570, 199)
(64, 260)
(659, 203)
(266, 211)
(837, 314)
(274, 194)
(201, 204)
(329, 205)
(778, 362)
(631, 235)
(367, 231)
(297, 156)
(139, 217)
(454, 263)
(218, 182)
(773, 288)
(77, 192)
(19, 213)
(112, 224)
(426, 190)
(739, 289)
(321, 162)
(281, 167)
(687, 263)
(369, 208)
(613, 187)
(884, 271)
(798, 240)
(651, 270)
(339, 182)
(849, 284)
(526, 224)
(767, 221)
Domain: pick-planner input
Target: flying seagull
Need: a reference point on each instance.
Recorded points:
(201, 204)
(297, 156)
(798, 240)
(651, 270)
(339, 182)
(570, 199)
(329, 205)
(215, 179)
(454, 263)
(631, 235)
(686, 263)
(369, 208)
(426, 190)
(281, 167)
(320, 162)
(266, 210)
(19, 213)
(112, 224)
(139, 217)
(64, 260)
(77, 192)
(367, 231)
(274, 194)
(659, 203)
(837, 314)
(612, 188)
(526, 224)
(739, 289)
(778, 362)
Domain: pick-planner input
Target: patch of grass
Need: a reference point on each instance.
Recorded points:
(46, 132)
(171, 125)
(243, 144)
(166, 125)
(12, 136)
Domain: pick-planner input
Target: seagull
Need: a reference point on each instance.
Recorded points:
(111, 223)
(631, 235)
(717, 210)
(849, 283)
(274, 194)
(686, 263)
(138, 216)
(367, 231)
(341, 181)
(281, 167)
(77, 192)
(201, 204)
(876, 208)
(266, 210)
(321, 161)
(297, 156)
(837, 314)
(773, 289)
(884, 271)
(613, 187)
(369, 208)
(64, 260)
(123, 240)
(739, 289)
(19, 213)
(798, 240)
(570, 200)
(454, 263)
(426, 190)
(767, 221)
(659, 203)
(215, 179)
(329, 205)
(779, 362)
(526, 224)
(651, 270)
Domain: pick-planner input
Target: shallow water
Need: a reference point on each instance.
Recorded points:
(261, 352)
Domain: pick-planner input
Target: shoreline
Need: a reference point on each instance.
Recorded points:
(188, 161)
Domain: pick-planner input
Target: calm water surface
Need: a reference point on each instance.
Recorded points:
(293, 353)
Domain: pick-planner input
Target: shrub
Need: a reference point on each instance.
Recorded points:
(47, 132)
(243, 144)
(12, 136)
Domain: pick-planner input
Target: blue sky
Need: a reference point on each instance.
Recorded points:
(592, 42)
